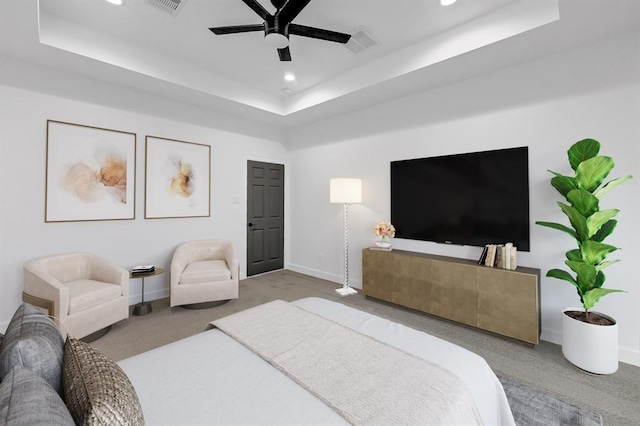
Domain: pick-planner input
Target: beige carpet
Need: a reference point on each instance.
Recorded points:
(616, 397)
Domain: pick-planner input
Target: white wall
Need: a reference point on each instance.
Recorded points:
(24, 235)
(545, 105)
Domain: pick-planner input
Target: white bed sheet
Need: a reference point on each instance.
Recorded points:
(209, 378)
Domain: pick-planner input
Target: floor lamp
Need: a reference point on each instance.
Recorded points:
(345, 191)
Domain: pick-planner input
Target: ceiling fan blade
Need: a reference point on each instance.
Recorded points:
(319, 33)
(285, 54)
(234, 29)
(257, 8)
(291, 9)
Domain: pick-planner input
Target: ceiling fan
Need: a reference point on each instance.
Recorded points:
(278, 27)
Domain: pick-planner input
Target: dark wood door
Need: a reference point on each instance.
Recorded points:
(265, 217)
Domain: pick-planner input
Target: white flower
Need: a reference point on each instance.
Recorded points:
(384, 229)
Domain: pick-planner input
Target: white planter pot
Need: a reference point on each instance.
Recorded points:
(593, 348)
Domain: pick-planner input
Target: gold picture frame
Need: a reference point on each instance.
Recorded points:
(90, 173)
(177, 179)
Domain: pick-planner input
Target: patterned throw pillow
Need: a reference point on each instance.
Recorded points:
(32, 340)
(96, 390)
(28, 399)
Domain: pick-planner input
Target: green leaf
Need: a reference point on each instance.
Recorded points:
(596, 220)
(574, 255)
(600, 278)
(583, 201)
(578, 221)
(595, 252)
(604, 231)
(586, 274)
(590, 298)
(562, 275)
(559, 227)
(563, 184)
(590, 173)
(582, 150)
(611, 184)
(600, 266)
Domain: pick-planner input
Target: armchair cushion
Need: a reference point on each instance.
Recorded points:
(27, 399)
(33, 341)
(205, 271)
(85, 294)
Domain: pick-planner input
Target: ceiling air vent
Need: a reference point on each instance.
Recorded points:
(360, 40)
(170, 6)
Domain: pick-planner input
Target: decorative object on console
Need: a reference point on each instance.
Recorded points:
(589, 339)
(90, 173)
(384, 231)
(499, 255)
(345, 191)
(177, 179)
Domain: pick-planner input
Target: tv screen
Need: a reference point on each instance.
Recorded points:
(472, 199)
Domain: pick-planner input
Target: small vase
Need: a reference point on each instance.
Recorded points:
(383, 242)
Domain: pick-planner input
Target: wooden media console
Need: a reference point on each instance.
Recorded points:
(502, 301)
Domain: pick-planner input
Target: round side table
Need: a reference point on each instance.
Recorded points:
(144, 308)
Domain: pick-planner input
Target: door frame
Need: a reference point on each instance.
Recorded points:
(287, 209)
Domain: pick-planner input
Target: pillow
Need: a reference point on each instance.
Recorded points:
(28, 399)
(33, 341)
(96, 390)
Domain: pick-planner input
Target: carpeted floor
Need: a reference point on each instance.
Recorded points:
(616, 397)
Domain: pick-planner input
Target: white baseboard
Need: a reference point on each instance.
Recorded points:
(625, 354)
(323, 275)
(553, 336)
(629, 356)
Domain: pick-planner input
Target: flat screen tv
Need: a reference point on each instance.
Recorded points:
(471, 199)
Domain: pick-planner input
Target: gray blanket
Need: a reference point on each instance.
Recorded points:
(362, 379)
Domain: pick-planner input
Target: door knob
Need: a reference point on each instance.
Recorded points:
(250, 224)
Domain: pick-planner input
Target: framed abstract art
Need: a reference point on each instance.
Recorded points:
(90, 173)
(177, 179)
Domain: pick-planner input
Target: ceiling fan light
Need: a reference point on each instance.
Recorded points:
(116, 2)
(447, 2)
(277, 40)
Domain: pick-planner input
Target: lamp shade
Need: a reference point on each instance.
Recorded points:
(345, 190)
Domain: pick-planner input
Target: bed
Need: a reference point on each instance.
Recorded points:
(210, 378)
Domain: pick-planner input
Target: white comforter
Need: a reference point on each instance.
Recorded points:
(209, 378)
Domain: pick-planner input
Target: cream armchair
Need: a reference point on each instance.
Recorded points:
(84, 293)
(204, 271)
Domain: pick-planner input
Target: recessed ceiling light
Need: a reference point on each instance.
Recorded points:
(447, 2)
(289, 77)
(116, 2)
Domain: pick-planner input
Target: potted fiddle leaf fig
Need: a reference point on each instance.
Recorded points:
(589, 338)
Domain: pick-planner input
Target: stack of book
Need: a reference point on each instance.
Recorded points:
(143, 269)
(499, 256)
